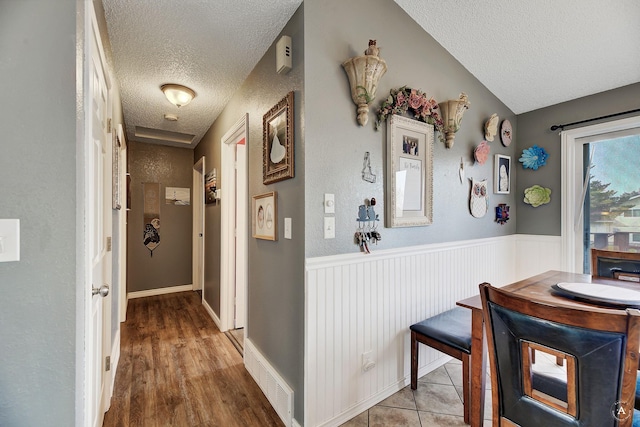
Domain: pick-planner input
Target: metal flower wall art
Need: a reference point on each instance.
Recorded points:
(533, 158)
(537, 195)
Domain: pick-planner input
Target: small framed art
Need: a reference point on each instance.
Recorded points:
(265, 216)
(278, 142)
(502, 174)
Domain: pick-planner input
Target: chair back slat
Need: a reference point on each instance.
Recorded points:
(616, 265)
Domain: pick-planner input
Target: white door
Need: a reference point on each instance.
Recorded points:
(198, 226)
(98, 220)
(234, 224)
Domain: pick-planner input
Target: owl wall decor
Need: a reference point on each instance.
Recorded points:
(479, 201)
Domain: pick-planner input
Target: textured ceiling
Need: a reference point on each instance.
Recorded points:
(209, 46)
(530, 54)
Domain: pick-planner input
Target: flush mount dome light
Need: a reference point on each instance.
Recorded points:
(178, 95)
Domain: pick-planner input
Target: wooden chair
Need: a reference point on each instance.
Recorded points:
(601, 352)
(621, 266)
(450, 333)
(615, 264)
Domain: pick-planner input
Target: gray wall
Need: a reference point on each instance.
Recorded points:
(276, 269)
(170, 264)
(533, 128)
(38, 176)
(336, 30)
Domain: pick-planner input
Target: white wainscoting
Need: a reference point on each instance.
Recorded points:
(537, 254)
(360, 303)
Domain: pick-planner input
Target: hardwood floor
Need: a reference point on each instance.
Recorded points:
(177, 369)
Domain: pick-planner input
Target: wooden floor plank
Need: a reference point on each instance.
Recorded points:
(177, 369)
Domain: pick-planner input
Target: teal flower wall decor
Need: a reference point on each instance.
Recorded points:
(533, 157)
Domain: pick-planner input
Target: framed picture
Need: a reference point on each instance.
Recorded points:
(210, 186)
(409, 174)
(265, 216)
(502, 174)
(118, 142)
(277, 145)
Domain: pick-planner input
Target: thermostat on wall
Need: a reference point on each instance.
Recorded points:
(283, 55)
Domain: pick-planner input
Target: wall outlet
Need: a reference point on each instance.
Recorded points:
(367, 361)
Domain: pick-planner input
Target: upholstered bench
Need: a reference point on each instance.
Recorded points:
(450, 333)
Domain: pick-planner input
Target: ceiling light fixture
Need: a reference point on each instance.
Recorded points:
(178, 95)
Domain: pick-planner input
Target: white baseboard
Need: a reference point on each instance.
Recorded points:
(159, 291)
(212, 313)
(294, 423)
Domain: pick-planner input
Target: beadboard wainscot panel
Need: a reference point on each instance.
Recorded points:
(536, 254)
(357, 303)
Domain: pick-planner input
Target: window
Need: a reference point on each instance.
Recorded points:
(612, 195)
(599, 178)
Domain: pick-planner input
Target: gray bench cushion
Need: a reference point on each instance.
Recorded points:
(452, 328)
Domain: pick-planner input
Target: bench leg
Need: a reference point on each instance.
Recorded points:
(414, 361)
(466, 386)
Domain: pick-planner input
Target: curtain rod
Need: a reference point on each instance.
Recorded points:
(561, 127)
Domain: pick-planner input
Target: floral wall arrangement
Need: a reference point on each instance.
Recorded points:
(404, 100)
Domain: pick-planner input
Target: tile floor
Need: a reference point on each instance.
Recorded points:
(438, 400)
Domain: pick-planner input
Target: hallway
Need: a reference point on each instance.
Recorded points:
(177, 369)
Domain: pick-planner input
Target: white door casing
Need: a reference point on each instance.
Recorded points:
(234, 226)
(122, 304)
(198, 226)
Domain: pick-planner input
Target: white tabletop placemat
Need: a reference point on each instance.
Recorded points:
(604, 293)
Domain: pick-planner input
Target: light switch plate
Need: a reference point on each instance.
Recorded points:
(329, 227)
(287, 228)
(9, 240)
(329, 203)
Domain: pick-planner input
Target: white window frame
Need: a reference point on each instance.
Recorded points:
(571, 186)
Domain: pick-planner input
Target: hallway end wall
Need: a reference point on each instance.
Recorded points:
(170, 264)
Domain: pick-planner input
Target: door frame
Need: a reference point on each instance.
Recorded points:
(198, 226)
(572, 183)
(234, 225)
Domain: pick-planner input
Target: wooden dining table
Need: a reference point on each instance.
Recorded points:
(538, 288)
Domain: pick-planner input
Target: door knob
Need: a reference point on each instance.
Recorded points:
(103, 291)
